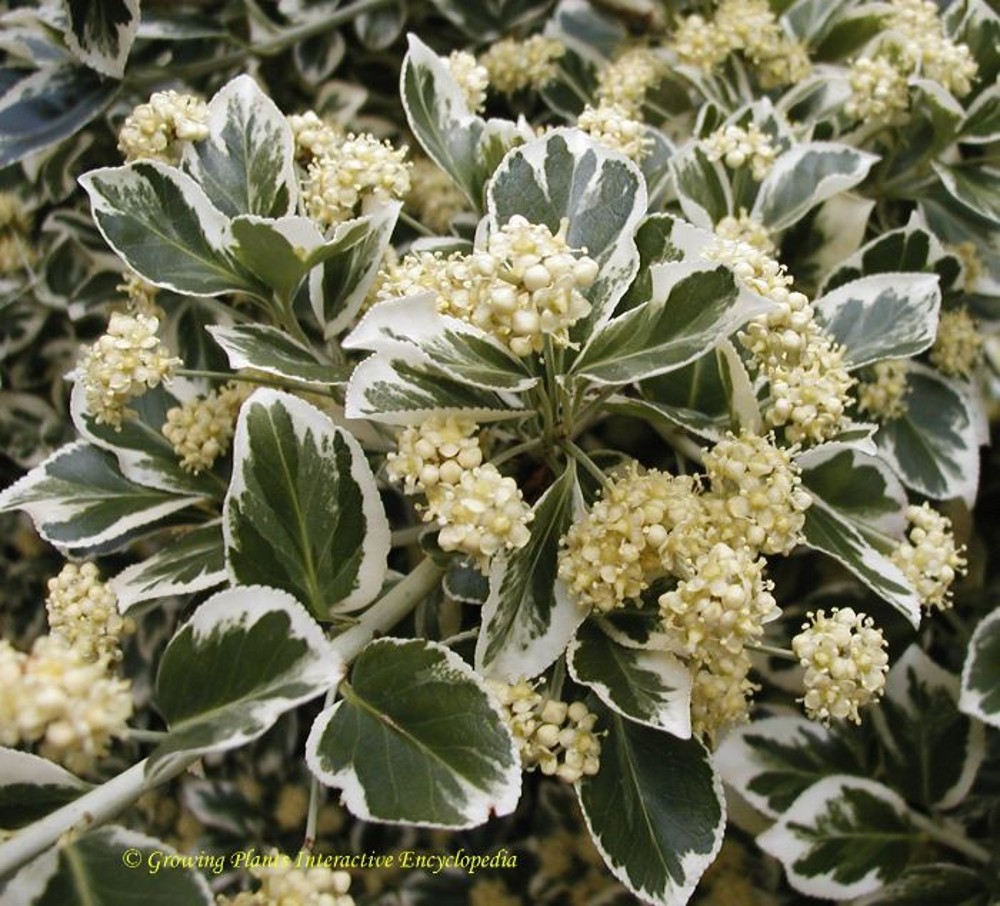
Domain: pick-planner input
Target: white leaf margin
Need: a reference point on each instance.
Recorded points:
(970, 700)
(305, 417)
(485, 806)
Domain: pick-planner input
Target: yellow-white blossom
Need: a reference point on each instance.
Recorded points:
(879, 91)
(635, 532)
(917, 35)
(554, 736)
(360, 170)
(623, 83)
(721, 690)
(141, 295)
(809, 401)
(972, 264)
(438, 450)
(958, 346)
(156, 130)
(515, 65)
(700, 43)
(16, 250)
(68, 706)
(472, 77)
(744, 227)
(883, 396)
(737, 147)
(845, 663)
(285, 884)
(929, 557)
(83, 612)
(201, 429)
(611, 125)
(121, 365)
(314, 136)
(757, 486)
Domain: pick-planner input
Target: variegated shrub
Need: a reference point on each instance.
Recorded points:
(611, 465)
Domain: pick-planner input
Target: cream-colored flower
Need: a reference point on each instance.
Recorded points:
(721, 691)
(737, 147)
(201, 429)
(285, 884)
(434, 197)
(17, 252)
(314, 136)
(611, 125)
(958, 348)
(745, 228)
(845, 662)
(757, 487)
(83, 612)
(516, 65)
(157, 129)
(884, 395)
(879, 92)
(635, 532)
(918, 37)
(438, 450)
(121, 365)
(929, 557)
(472, 77)
(623, 83)
(362, 169)
(700, 43)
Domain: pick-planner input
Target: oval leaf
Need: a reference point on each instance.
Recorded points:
(246, 657)
(303, 511)
(981, 673)
(417, 740)
(31, 787)
(101, 32)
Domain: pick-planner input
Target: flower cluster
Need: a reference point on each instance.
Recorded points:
(845, 663)
(883, 396)
(201, 429)
(156, 130)
(611, 125)
(749, 27)
(737, 147)
(929, 557)
(283, 883)
(623, 83)
(710, 617)
(141, 296)
(479, 511)
(744, 227)
(516, 65)
(880, 94)
(758, 488)
(918, 37)
(958, 346)
(472, 77)
(358, 170)
(314, 136)
(642, 523)
(808, 381)
(54, 697)
(556, 737)
(123, 364)
(83, 612)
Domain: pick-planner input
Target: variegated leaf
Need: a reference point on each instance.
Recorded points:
(806, 175)
(31, 787)
(405, 389)
(565, 174)
(262, 348)
(459, 349)
(303, 511)
(96, 868)
(644, 685)
(101, 32)
(79, 500)
(528, 618)
(702, 187)
(982, 120)
(654, 809)
(978, 188)
(417, 739)
(980, 695)
(195, 561)
(934, 446)
(246, 657)
(772, 761)
(884, 316)
(694, 311)
(932, 750)
(162, 224)
(245, 163)
(843, 837)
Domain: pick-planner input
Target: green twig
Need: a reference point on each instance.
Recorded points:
(584, 460)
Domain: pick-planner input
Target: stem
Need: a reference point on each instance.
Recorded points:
(256, 378)
(774, 651)
(110, 799)
(458, 637)
(516, 451)
(315, 791)
(680, 442)
(415, 224)
(153, 736)
(584, 460)
(952, 838)
(407, 536)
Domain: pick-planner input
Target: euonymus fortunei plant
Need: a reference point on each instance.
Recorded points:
(623, 443)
